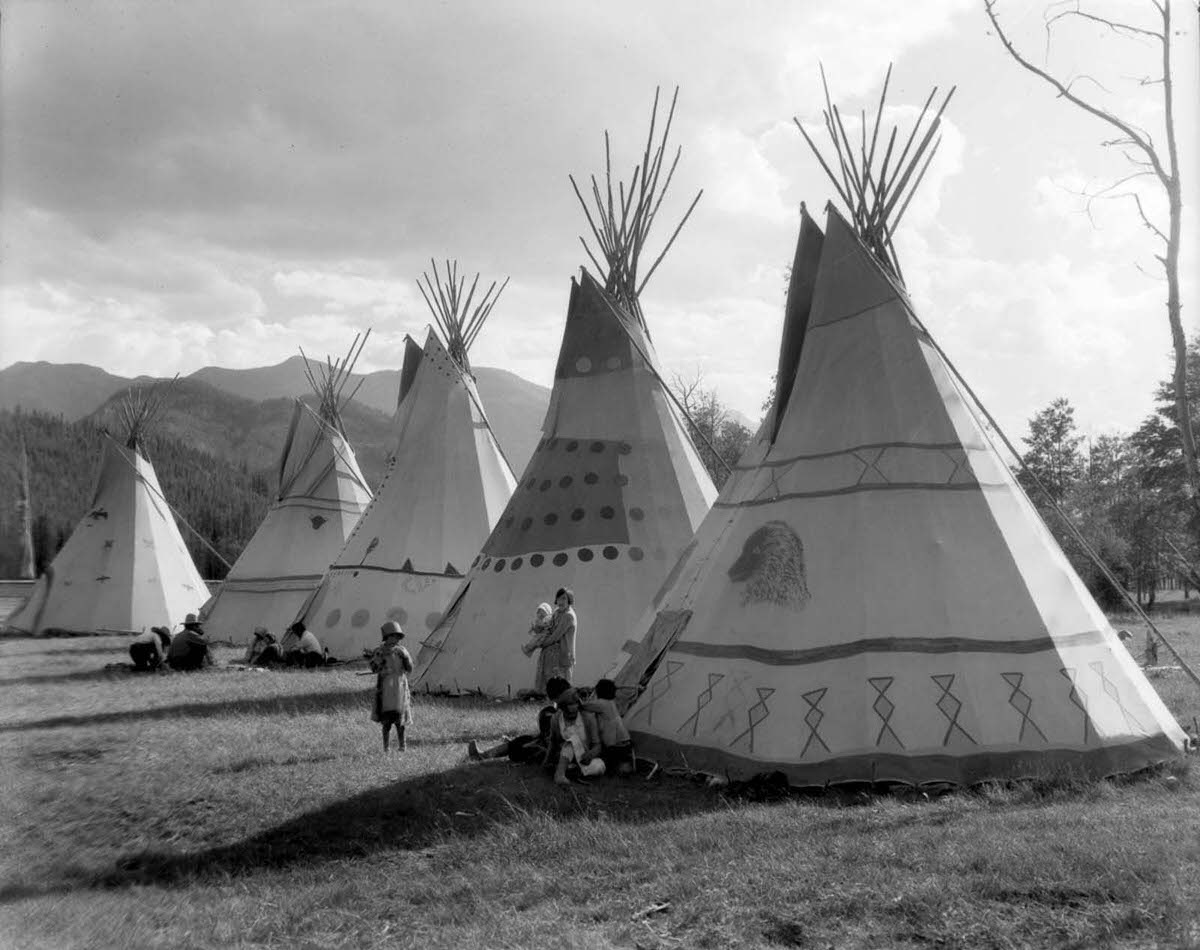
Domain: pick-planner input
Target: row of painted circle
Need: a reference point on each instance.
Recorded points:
(607, 513)
(360, 617)
(609, 553)
(591, 478)
(572, 445)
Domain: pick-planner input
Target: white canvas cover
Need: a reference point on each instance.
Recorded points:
(321, 495)
(873, 597)
(445, 486)
(610, 497)
(125, 567)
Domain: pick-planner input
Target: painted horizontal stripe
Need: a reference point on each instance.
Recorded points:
(1114, 759)
(839, 651)
(857, 489)
(866, 446)
(236, 582)
(323, 504)
(380, 569)
(306, 589)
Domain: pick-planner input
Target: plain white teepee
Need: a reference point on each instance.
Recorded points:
(125, 567)
(445, 487)
(321, 495)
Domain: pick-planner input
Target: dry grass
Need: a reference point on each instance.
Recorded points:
(249, 809)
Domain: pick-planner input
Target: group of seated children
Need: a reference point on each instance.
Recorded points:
(577, 734)
(299, 647)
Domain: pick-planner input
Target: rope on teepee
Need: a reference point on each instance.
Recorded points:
(178, 517)
(1065, 518)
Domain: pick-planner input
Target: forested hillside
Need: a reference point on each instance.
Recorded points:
(223, 501)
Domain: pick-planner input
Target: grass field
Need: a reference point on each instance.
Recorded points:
(249, 809)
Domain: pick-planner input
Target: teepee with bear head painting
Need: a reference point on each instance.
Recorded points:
(872, 597)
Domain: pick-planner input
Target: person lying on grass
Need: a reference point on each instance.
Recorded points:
(148, 649)
(576, 734)
(526, 748)
(616, 746)
(393, 701)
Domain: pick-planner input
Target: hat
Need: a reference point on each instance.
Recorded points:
(160, 631)
(568, 696)
(391, 629)
(261, 632)
(191, 621)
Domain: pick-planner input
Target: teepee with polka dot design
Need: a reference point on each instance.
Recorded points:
(609, 499)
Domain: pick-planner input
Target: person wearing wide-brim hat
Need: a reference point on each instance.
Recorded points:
(393, 701)
(148, 649)
(189, 647)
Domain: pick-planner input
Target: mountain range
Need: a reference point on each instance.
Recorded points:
(242, 414)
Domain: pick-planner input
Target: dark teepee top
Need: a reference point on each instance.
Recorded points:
(623, 219)
(329, 379)
(876, 185)
(140, 408)
(449, 301)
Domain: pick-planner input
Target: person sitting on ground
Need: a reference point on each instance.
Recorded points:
(526, 748)
(616, 746)
(148, 649)
(393, 701)
(577, 736)
(300, 647)
(263, 649)
(189, 648)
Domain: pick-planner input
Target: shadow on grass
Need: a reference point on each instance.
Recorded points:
(79, 676)
(288, 705)
(459, 804)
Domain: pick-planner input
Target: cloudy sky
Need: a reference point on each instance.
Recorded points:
(196, 183)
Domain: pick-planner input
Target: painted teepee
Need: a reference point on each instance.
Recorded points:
(320, 497)
(613, 493)
(125, 567)
(873, 597)
(445, 487)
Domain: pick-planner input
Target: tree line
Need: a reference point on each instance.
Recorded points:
(1128, 495)
(223, 502)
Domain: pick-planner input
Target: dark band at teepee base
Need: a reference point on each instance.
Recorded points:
(972, 651)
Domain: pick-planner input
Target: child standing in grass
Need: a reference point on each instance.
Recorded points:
(393, 701)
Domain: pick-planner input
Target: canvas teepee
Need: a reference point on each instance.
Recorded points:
(445, 486)
(612, 494)
(125, 567)
(873, 597)
(321, 495)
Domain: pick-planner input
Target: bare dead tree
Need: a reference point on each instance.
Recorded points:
(1148, 160)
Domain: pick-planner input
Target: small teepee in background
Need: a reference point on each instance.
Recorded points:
(872, 597)
(321, 495)
(615, 489)
(125, 567)
(445, 486)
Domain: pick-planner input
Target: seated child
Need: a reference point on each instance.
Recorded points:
(263, 650)
(616, 746)
(577, 735)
